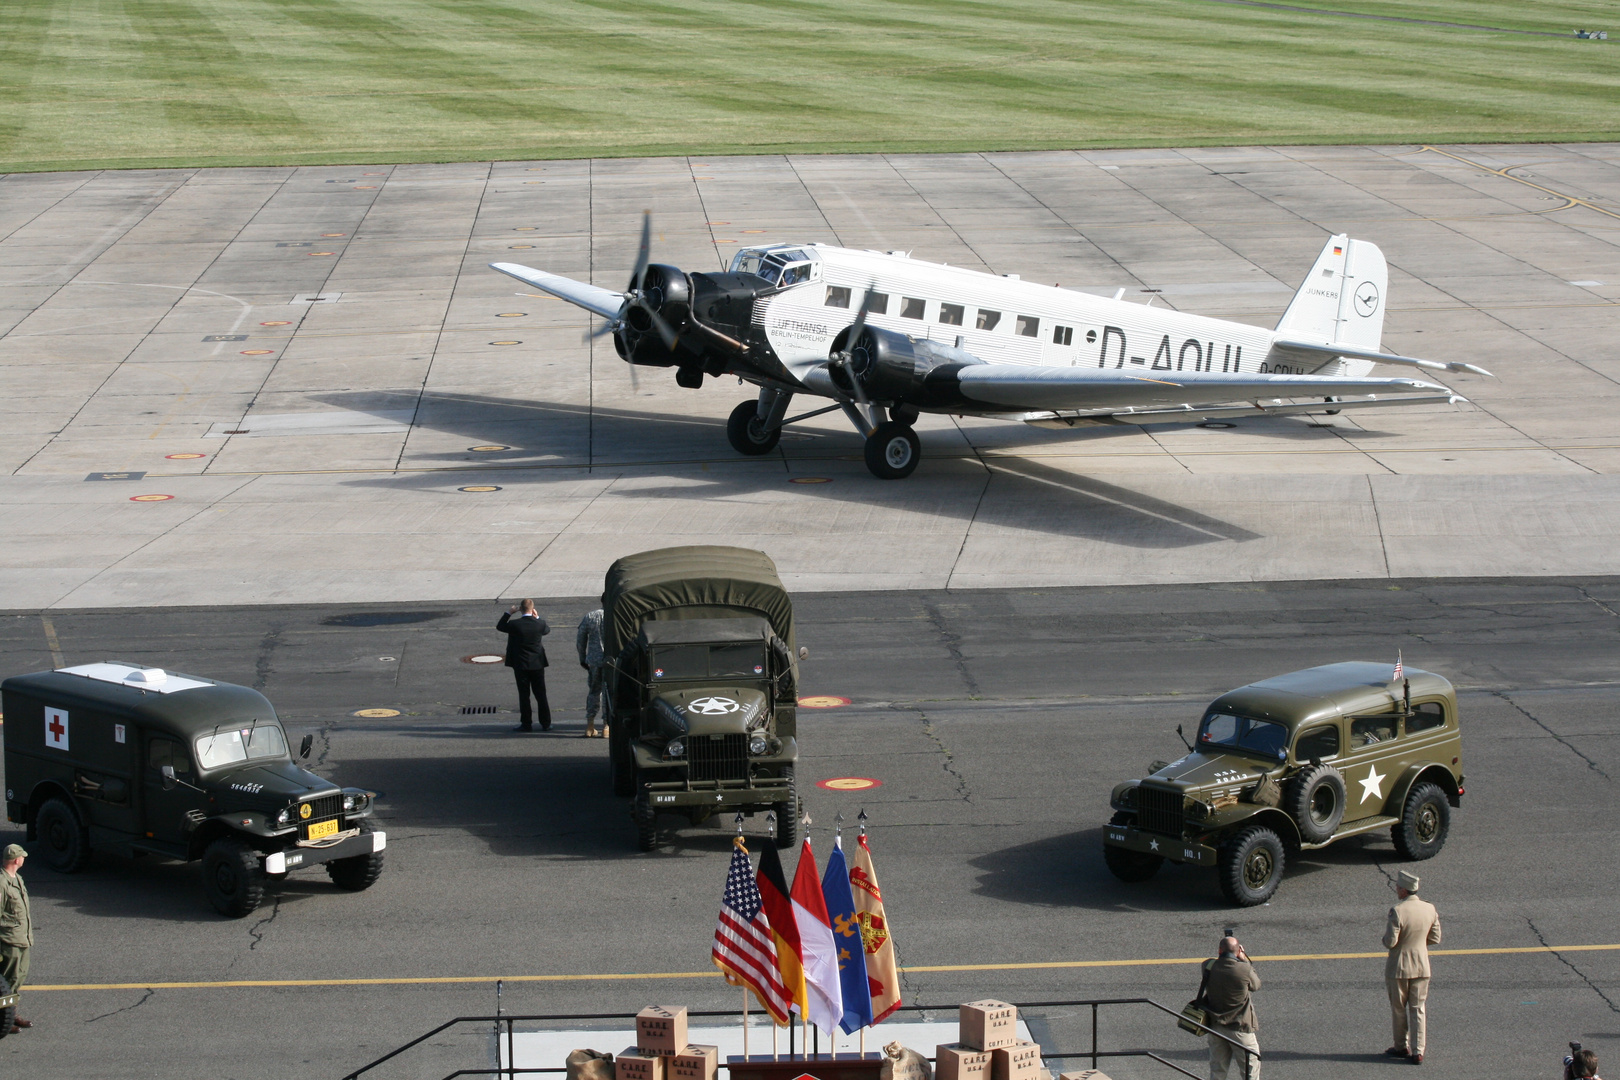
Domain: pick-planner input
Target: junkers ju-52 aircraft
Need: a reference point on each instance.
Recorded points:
(888, 337)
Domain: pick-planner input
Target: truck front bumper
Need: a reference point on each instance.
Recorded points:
(673, 794)
(1173, 848)
(279, 862)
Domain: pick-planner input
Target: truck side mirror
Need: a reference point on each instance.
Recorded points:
(168, 778)
(804, 652)
(303, 747)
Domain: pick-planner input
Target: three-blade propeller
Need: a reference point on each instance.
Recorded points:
(636, 295)
(845, 357)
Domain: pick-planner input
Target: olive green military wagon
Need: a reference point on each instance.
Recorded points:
(1292, 764)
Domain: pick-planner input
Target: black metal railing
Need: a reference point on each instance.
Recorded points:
(504, 1027)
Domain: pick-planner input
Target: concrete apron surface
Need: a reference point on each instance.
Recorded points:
(284, 385)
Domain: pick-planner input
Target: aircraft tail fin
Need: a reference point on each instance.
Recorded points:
(1342, 298)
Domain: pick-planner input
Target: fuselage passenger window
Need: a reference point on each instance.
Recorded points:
(911, 307)
(877, 303)
(1027, 326)
(1062, 335)
(988, 319)
(950, 314)
(838, 296)
(1426, 717)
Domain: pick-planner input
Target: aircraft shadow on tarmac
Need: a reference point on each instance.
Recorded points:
(1068, 871)
(1021, 494)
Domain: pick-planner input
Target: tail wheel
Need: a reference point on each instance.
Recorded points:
(893, 451)
(1425, 823)
(358, 872)
(1251, 866)
(746, 433)
(1316, 800)
(64, 840)
(233, 878)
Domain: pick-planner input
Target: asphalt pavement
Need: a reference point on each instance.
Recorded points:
(996, 721)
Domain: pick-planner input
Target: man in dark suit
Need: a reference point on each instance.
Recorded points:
(526, 656)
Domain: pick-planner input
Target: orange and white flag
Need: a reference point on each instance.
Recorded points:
(882, 975)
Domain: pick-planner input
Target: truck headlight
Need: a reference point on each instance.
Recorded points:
(354, 802)
(676, 748)
(1198, 811)
(284, 817)
(757, 745)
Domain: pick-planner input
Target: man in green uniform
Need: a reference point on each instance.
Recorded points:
(16, 925)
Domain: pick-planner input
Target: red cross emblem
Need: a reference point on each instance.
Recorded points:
(56, 728)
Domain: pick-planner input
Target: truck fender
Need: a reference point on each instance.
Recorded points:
(1269, 816)
(1430, 772)
(212, 829)
(49, 789)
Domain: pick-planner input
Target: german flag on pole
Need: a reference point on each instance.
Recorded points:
(773, 896)
(881, 973)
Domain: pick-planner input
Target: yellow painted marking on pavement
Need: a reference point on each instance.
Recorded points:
(1507, 174)
(51, 642)
(1052, 964)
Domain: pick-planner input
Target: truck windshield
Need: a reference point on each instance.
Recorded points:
(1228, 731)
(745, 660)
(241, 744)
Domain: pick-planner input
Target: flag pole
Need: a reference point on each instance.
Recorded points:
(862, 820)
(738, 821)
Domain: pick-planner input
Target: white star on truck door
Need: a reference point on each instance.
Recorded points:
(1370, 786)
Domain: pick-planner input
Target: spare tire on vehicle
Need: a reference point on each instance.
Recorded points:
(1315, 799)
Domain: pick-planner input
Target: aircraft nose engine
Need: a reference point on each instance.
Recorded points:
(891, 366)
(662, 289)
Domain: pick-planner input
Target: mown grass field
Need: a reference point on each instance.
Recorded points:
(159, 83)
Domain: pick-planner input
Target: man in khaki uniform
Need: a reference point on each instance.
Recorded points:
(16, 925)
(1228, 997)
(1413, 926)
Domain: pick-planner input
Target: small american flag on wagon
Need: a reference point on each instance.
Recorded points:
(743, 946)
(1399, 670)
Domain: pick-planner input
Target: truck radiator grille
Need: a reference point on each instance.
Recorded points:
(1159, 811)
(723, 758)
(327, 806)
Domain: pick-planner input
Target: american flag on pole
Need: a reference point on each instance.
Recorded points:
(1398, 669)
(743, 946)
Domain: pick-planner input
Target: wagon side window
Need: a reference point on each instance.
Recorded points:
(1322, 742)
(1368, 730)
(1426, 717)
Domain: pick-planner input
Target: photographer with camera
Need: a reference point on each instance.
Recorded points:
(1580, 1064)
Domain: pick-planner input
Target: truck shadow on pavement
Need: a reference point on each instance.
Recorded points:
(1068, 871)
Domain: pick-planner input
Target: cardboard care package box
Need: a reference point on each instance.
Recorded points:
(662, 1052)
(988, 1047)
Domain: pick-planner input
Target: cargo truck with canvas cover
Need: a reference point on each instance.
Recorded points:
(139, 760)
(1295, 763)
(702, 687)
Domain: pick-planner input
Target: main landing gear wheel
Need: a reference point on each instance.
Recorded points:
(746, 433)
(892, 451)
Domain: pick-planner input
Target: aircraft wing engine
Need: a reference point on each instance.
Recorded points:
(891, 367)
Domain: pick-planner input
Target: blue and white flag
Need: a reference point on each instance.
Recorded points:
(847, 936)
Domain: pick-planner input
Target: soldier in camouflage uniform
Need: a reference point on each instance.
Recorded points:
(588, 641)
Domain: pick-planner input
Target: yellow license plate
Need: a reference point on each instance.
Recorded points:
(322, 829)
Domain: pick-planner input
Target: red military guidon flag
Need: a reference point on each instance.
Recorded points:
(743, 945)
(1399, 670)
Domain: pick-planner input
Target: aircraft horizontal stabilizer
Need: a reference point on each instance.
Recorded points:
(1189, 415)
(1331, 352)
(1063, 388)
(603, 302)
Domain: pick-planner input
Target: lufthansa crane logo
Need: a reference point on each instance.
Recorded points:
(714, 706)
(1366, 299)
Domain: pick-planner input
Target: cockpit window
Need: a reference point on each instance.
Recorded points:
(770, 270)
(1231, 732)
(747, 262)
(794, 274)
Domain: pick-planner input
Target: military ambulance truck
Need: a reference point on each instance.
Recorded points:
(137, 760)
(702, 687)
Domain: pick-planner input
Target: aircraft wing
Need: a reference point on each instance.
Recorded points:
(1329, 353)
(1008, 386)
(603, 302)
